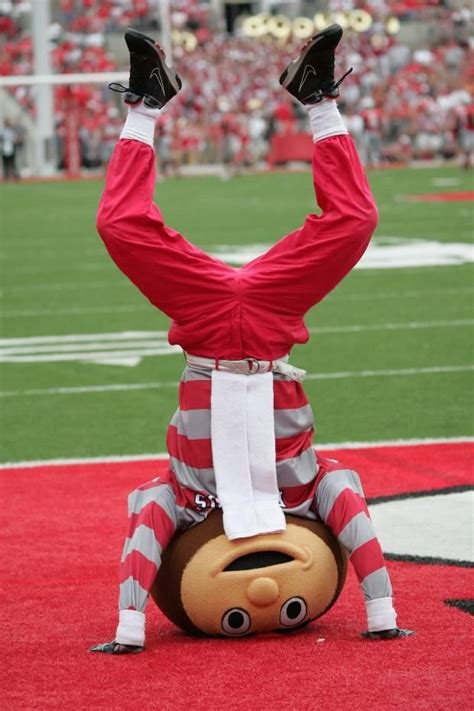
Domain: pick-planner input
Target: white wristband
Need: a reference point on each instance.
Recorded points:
(381, 614)
(326, 120)
(131, 628)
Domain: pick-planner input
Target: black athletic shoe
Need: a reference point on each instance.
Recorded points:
(116, 648)
(151, 79)
(394, 633)
(310, 77)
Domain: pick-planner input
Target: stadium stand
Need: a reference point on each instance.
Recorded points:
(401, 103)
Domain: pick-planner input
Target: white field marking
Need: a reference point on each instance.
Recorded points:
(376, 296)
(125, 348)
(82, 337)
(335, 296)
(129, 347)
(120, 387)
(412, 526)
(63, 286)
(19, 347)
(445, 182)
(383, 253)
(326, 446)
(427, 258)
(76, 311)
(389, 372)
(357, 328)
(80, 267)
(86, 389)
(407, 253)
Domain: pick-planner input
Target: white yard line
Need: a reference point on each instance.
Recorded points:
(117, 387)
(63, 286)
(389, 372)
(85, 389)
(91, 355)
(377, 296)
(76, 311)
(339, 295)
(327, 446)
(83, 337)
(357, 328)
(52, 267)
(129, 347)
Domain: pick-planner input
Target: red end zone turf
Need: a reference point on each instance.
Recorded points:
(463, 196)
(63, 528)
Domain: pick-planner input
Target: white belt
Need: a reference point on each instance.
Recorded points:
(248, 366)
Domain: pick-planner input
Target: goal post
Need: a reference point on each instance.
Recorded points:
(41, 129)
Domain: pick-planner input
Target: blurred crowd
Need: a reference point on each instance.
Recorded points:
(400, 103)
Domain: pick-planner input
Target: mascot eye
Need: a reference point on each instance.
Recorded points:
(293, 612)
(236, 621)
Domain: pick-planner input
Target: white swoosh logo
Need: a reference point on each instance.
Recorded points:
(308, 71)
(156, 74)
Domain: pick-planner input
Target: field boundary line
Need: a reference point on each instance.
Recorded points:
(160, 456)
(338, 375)
(357, 328)
(337, 296)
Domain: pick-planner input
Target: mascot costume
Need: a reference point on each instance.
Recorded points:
(244, 532)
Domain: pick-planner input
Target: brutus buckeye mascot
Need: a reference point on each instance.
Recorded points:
(241, 440)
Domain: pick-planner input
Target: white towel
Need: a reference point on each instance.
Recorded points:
(243, 451)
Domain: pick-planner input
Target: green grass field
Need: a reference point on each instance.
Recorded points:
(57, 280)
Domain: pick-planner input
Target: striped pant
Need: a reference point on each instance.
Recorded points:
(310, 486)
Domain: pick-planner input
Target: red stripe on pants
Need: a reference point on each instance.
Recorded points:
(289, 447)
(196, 395)
(156, 518)
(198, 452)
(288, 394)
(367, 559)
(347, 505)
(137, 566)
(193, 452)
(293, 496)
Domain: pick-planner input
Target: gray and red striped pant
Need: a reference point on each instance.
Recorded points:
(310, 486)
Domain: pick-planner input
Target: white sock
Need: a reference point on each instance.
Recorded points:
(140, 123)
(381, 614)
(326, 120)
(131, 628)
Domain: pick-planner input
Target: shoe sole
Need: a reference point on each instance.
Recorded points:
(142, 44)
(293, 68)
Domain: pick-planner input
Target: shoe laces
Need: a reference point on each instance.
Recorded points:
(135, 81)
(339, 82)
(119, 88)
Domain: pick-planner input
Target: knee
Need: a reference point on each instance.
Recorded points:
(103, 223)
(365, 221)
(371, 217)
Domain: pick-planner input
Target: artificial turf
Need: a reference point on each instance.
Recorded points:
(59, 589)
(58, 280)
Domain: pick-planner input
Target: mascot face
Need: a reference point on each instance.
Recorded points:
(263, 582)
(260, 584)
